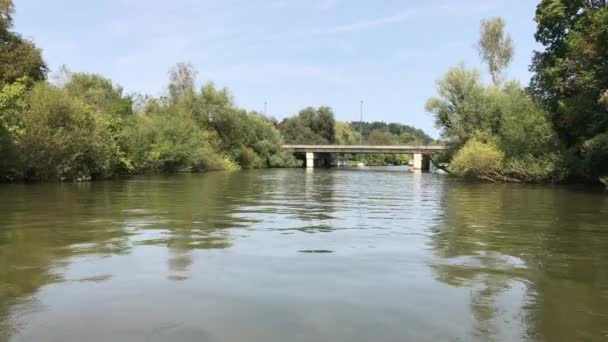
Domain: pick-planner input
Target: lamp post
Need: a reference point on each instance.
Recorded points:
(361, 122)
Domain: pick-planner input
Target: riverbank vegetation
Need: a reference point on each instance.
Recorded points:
(83, 126)
(555, 130)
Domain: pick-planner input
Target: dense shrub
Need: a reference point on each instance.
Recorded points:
(478, 158)
(63, 138)
(158, 142)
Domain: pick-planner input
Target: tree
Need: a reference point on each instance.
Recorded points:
(310, 126)
(380, 137)
(346, 135)
(571, 78)
(63, 138)
(6, 11)
(181, 80)
(494, 47)
(401, 133)
(504, 119)
(462, 106)
(100, 92)
(479, 157)
(12, 103)
(19, 57)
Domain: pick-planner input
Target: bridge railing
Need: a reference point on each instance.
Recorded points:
(395, 149)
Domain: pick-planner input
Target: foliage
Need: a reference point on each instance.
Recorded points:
(494, 47)
(6, 10)
(201, 130)
(524, 129)
(101, 93)
(530, 168)
(19, 57)
(12, 103)
(380, 137)
(571, 78)
(403, 134)
(63, 138)
(511, 121)
(310, 126)
(478, 158)
(464, 106)
(170, 142)
(248, 159)
(346, 135)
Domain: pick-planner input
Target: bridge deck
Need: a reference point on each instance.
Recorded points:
(369, 149)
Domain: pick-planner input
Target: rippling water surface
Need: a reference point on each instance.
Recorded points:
(302, 255)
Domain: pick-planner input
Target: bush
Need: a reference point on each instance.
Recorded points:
(64, 139)
(170, 142)
(478, 158)
(248, 159)
(12, 103)
(532, 169)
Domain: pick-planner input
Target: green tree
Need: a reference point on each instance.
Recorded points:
(401, 133)
(380, 137)
(507, 118)
(170, 141)
(19, 57)
(63, 138)
(310, 126)
(201, 130)
(346, 135)
(101, 93)
(6, 11)
(480, 157)
(571, 76)
(495, 47)
(462, 106)
(12, 103)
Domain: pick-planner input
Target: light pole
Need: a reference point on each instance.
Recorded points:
(264, 108)
(361, 122)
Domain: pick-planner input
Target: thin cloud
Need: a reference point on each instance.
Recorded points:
(446, 9)
(368, 24)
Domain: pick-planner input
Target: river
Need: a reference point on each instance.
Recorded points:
(374, 254)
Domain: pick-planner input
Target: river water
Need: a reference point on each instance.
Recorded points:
(375, 254)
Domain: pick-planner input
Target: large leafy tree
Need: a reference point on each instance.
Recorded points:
(571, 78)
(463, 106)
(100, 92)
(310, 126)
(19, 57)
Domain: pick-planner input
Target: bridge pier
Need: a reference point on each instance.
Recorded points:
(310, 160)
(422, 162)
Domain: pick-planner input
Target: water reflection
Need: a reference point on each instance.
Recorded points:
(33, 249)
(528, 257)
(273, 255)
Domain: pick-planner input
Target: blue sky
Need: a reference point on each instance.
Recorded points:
(290, 53)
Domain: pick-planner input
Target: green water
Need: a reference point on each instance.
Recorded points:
(296, 255)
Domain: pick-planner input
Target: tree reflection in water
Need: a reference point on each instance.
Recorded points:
(520, 250)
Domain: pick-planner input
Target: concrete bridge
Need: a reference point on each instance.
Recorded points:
(318, 153)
